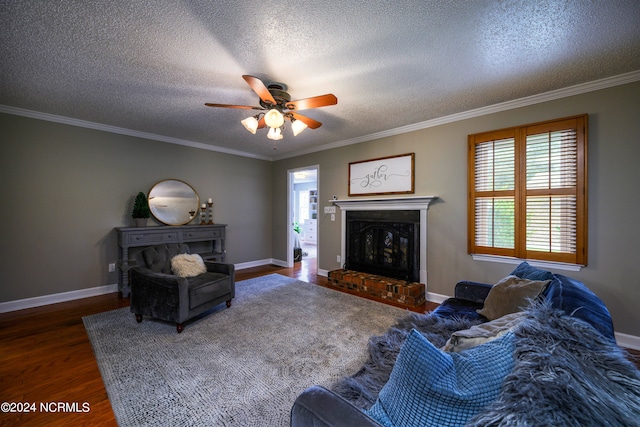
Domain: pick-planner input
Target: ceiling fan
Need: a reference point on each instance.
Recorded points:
(277, 106)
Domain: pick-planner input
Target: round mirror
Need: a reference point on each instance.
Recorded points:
(173, 202)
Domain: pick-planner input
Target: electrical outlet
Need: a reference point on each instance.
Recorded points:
(338, 258)
(112, 267)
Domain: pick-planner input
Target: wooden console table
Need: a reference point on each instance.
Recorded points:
(206, 240)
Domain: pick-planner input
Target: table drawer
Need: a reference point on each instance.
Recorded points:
(196, 235)
(151, 238)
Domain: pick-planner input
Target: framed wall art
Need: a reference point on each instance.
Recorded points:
(385, 175)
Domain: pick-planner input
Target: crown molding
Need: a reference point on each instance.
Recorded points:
(605, 83)
(608, 82)
(123, 131)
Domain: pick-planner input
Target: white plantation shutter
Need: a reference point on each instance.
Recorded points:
(494, 187)
(495, 222)
(551, 224)
(551, 170)
(527, 191)
(494, 162)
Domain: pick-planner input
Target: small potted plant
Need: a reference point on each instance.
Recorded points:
(141, 211)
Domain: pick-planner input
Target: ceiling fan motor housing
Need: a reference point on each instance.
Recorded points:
(279, 94)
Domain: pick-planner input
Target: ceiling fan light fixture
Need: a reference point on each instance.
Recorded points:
(297, 126)
(276, 106)
(274, 118)
(275, 134)
(251, 124)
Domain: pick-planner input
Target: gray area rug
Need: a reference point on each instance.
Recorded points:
(242, 366)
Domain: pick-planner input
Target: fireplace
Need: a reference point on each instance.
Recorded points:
(417, 205)
(384, 249)
(386, 243)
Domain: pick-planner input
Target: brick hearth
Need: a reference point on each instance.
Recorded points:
(410, 295)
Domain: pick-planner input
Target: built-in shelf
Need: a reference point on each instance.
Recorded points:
(313, 204)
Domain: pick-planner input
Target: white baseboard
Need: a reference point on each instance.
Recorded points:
(628, 341)
(22, 304)
(437, 298)
(257, 263)
(279, 263)
(260, 262)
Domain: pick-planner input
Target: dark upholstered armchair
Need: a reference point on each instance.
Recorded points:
(157, 292)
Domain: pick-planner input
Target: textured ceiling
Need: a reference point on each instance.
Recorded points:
(149, 66)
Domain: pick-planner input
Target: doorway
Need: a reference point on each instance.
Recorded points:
(303, 215)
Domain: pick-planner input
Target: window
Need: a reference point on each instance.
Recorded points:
(528, 191)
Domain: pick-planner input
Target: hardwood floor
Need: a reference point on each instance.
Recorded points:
(46, 357)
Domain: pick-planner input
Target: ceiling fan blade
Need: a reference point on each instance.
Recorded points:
(258, 87)
(313, 102)
(261, 123)
(313, 124)
(243, 107)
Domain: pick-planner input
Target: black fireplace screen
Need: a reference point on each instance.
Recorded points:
(386, 243)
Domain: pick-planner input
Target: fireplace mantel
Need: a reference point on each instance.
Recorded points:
(388, 203)
(420, 203)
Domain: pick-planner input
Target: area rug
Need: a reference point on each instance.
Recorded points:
(242, 366)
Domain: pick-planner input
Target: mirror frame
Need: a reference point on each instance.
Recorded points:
(175, 219)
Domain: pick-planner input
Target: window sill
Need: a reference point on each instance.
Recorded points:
(534, 263)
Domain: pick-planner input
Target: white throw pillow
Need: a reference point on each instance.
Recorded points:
(188, 265)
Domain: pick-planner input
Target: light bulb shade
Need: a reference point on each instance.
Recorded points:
(274, 118)
(275, 134)
(251, 124)
(297, 127)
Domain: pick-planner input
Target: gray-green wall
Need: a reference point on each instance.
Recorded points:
(65, 188)
(613, 271)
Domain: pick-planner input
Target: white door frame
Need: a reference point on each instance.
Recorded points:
(290, 207)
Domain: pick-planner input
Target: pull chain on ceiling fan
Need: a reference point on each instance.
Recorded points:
(276, 106)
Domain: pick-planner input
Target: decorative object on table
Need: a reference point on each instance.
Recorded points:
(173, 202)
(203, 214)
(141, 211)
(385, 175)
(210, 211)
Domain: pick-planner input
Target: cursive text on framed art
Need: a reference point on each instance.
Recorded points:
(385, 175)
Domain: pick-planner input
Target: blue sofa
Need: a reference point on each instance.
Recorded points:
(318, 406)
(563, 293)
